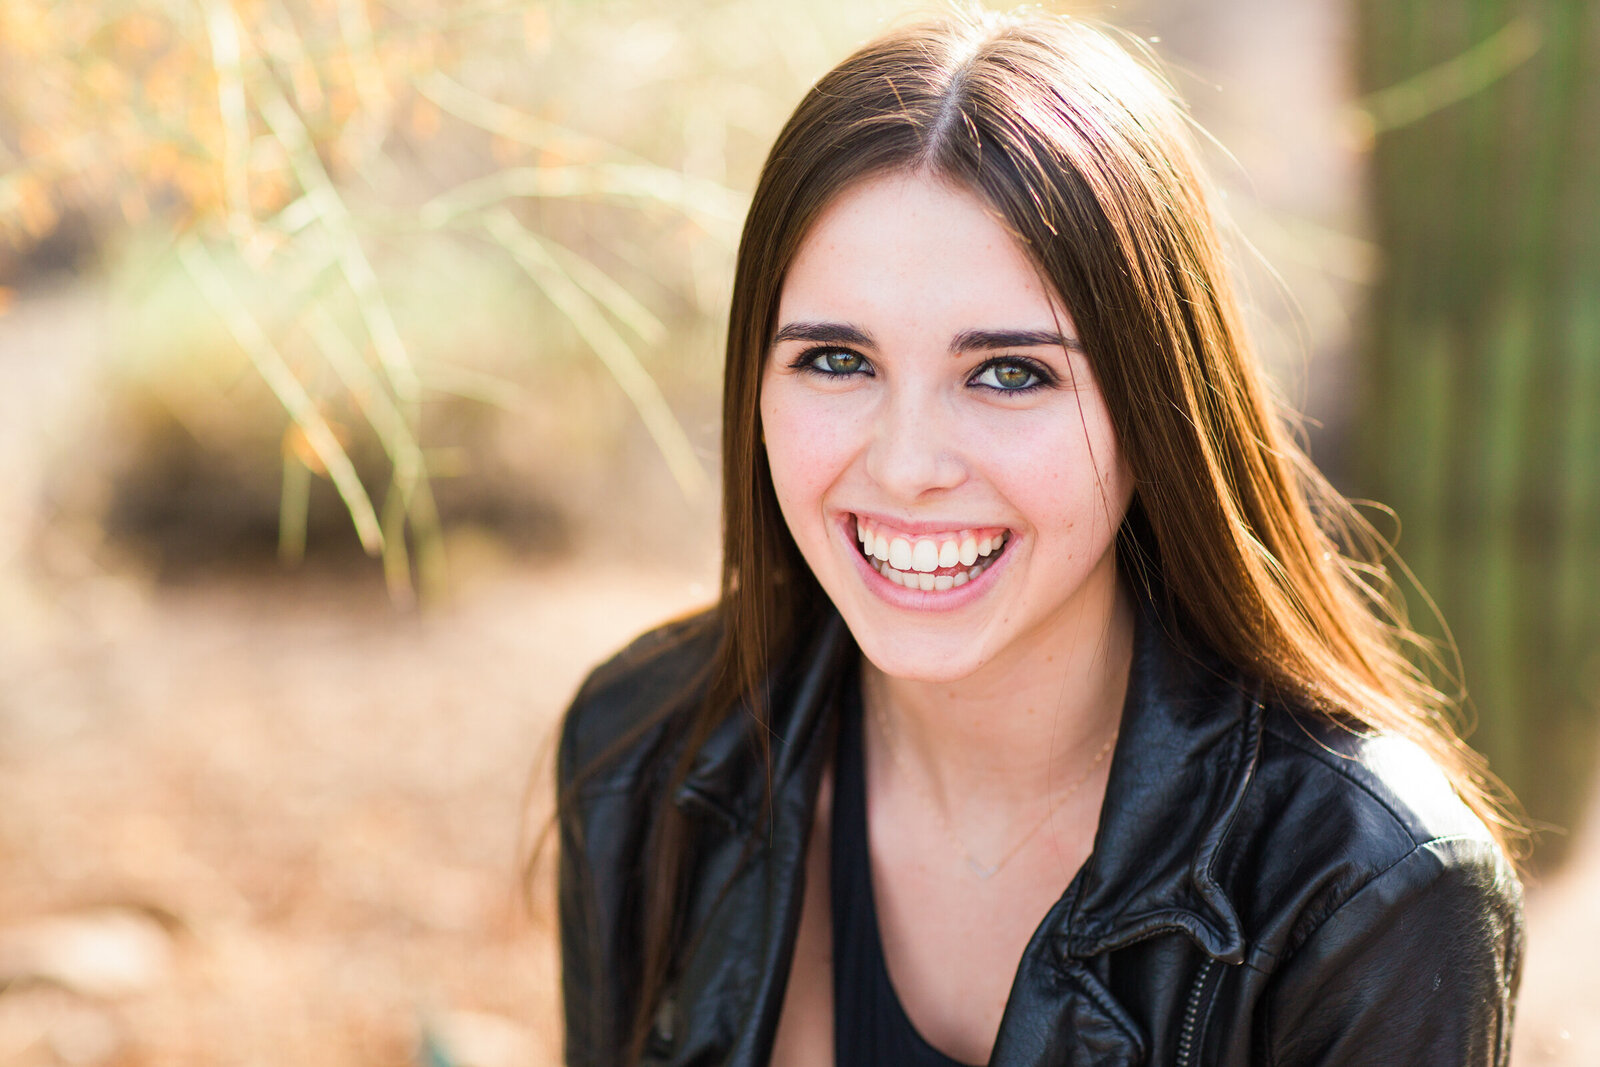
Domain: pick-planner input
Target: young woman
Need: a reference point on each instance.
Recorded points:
(1044, 717)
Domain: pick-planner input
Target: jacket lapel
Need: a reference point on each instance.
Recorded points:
(1060, 1014)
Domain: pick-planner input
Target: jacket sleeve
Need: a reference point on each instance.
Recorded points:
(1419, 966)
(582, 973)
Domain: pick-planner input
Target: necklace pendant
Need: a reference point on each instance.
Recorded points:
(985, 873)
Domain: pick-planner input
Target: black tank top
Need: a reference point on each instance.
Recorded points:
(870, 1027)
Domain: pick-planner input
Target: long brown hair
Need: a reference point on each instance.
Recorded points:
(1088, 158)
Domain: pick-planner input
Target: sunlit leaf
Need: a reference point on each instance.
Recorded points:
(584, 313)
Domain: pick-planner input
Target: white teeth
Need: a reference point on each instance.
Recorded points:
(930, 582)
(910, 564)
(900, 554)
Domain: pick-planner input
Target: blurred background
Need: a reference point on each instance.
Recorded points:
(360, 369)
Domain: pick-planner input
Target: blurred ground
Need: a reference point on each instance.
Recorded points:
(270, 821)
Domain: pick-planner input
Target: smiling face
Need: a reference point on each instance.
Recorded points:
(939, 448)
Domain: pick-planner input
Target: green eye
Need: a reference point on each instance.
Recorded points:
(1008, 376)
(838, 361)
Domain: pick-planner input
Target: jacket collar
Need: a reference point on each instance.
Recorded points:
(728, 776)
(1188, 747)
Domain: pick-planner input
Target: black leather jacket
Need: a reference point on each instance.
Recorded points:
(1265, 888)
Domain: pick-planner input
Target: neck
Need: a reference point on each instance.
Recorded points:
(1022, 729)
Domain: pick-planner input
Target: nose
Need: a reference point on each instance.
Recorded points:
(915, 449)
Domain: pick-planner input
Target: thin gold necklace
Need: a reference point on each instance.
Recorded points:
(982, 870)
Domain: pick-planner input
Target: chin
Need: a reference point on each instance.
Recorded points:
(914, 658)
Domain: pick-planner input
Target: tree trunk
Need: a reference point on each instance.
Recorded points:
(1480, 412)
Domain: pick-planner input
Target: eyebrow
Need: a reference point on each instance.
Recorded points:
(840, 333)
(986, 340)
(836, 333)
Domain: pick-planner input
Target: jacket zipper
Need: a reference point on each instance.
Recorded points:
(1191, 1015)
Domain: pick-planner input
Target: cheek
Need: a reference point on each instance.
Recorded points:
(808, 442)
(1064, 472)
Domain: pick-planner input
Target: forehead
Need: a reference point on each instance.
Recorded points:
(911, 255)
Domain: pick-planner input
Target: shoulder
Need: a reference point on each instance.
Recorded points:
(1382, 911)
(1384, 789)
(621, 710)
(1333, 817)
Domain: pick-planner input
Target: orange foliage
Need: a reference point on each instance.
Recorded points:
(114, 112)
